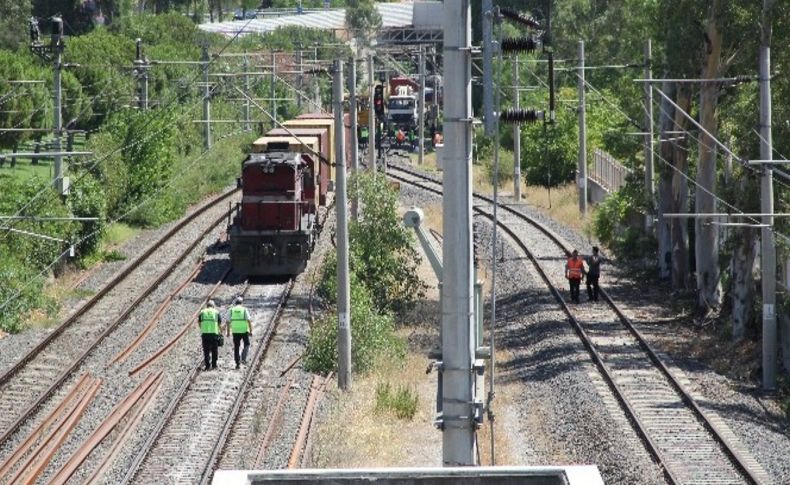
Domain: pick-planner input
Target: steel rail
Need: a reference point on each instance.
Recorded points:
(304, 424)
(245, 385)
(274, 423)
(735, 457)
(30, 410)
(110, 285)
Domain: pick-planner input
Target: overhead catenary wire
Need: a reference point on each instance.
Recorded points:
(162, 112)
(150, 198)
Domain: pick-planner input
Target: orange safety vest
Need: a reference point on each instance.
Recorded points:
(575, 268)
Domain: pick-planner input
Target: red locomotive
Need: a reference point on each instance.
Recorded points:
(284, 181)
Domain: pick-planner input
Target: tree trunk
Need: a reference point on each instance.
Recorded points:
(707, 241)
(664, 228)
(744, 256)
(680, 192)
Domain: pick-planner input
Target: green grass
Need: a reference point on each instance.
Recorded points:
(117, 233)
(401, 401)
(25, 170)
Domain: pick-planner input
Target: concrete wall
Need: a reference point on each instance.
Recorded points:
(595, 191)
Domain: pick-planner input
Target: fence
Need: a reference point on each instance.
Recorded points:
(608, 172)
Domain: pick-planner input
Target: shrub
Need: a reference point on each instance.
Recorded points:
(86, 199)
(614, 222)
(401, 401)
(20, 282)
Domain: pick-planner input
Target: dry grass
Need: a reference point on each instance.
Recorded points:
(506, 396)
(562, 205)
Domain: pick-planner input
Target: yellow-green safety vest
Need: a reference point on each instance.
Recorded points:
(238, 320)
(209, 321)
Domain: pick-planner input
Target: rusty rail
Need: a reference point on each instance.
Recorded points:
(274, 423)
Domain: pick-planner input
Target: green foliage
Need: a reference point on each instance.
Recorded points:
(23, 105)
(362, 19)
(550, 152)
(16, 275)
(13, 22)
(382, 248)
(617, 222)
(372, 333)
(401, 401)
(86, 199)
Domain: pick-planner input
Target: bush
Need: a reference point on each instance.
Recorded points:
(401, 401)
(617, 222)
(20, 282)
(86, 199)
(372, 333)
(506, 161)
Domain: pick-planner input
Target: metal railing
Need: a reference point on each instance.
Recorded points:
(608, 172)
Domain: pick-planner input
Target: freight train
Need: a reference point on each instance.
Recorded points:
(284, 181)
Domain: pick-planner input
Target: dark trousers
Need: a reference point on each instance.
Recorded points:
(592, 287)
(238, 338)
(210, 350)
(575, 284)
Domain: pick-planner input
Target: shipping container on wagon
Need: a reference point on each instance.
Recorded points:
(319, 120)
(325, 150)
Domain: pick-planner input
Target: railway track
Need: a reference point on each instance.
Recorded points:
(34, 380)
(191, 434)
(690, 445)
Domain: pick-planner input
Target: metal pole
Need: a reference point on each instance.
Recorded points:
(299, 79)
(371, 117)
(582, 135)
(768, 247)
(343, 288)
(274, 89)
(60, 183)
(316, 83)
(247, 93)
(516, 136)
(421, 109)
(206, 100)
(352, 108)
(488, 45)
(458, 319)
(650, 187)
(142, 74)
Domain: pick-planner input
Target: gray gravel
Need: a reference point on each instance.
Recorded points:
(757, 422)
(116, 382)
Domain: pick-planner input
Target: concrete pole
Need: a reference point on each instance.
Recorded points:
(206, 100)
(60, 183)
(352, 108)
(316, 82)
(273, 88)
(488, 69)
(421, 109)
(371, 116)
(343, 286)
(142, 75)
(650, 186)
(247, 93)
(299, 78)
(458, 319)
(516, 135)
(768, 247)
(582, 135)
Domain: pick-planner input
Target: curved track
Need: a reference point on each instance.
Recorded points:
(687, 442)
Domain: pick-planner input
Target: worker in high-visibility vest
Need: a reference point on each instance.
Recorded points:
(574, 271)
(241, 327)
(210, 322)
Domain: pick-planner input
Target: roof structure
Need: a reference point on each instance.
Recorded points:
(397, 15)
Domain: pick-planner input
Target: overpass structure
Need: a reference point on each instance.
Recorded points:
(401, 23)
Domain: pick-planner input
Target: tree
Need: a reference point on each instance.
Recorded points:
(13, 22)
(362, 20)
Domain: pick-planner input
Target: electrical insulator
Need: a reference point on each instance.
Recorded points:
(519, 116)
(520, 44)
(518, 17)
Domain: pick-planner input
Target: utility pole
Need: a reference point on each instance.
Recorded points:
(141, 67)
(206, 100)
(458, 420)
(274, 89)
(516, 135)
(58, 47)
(316, 83)
(371, 116)
(488, 62)
(299, 78)
(352, 108)
(247, 93)
(768, 246)
(343, 286)
(650, 187)
(421, 109)
(582, 135)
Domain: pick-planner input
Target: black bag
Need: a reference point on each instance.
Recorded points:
(220, 340)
